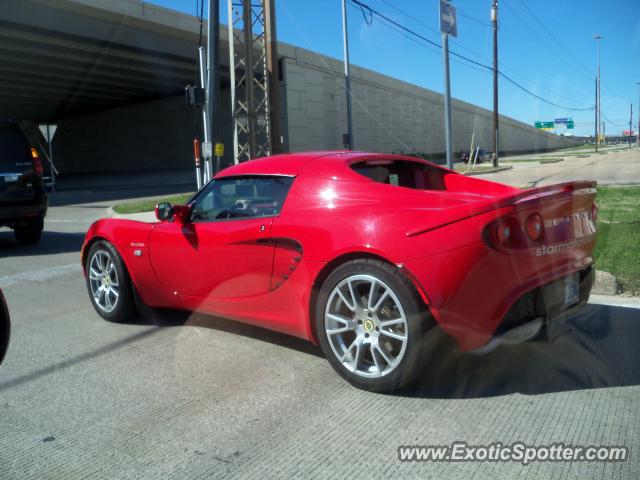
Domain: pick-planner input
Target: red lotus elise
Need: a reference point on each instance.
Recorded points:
(361, 253)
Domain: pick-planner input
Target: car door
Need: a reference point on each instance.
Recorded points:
(223, 250)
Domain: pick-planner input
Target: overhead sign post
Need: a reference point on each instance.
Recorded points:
(448, 26)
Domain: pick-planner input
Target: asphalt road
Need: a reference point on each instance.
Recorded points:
(84, 398)
(608, 167)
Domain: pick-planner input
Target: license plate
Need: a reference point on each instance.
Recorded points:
(571, 289)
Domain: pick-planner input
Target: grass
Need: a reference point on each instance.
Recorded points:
(618, 247)
(148, 205)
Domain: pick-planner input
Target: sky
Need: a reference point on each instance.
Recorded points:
(546, 46)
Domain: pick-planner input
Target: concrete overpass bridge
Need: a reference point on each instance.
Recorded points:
(111, 74)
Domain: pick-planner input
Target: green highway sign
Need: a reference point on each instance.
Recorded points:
(570, 124)
(545, 125)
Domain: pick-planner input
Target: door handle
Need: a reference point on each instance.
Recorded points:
(262, 228)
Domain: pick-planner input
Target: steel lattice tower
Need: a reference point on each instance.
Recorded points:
(249, 80)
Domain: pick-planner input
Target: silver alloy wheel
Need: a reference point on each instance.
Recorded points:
(366, 326)
(103, 279)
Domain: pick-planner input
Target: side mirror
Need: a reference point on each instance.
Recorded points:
(181, 213)
(164, 211)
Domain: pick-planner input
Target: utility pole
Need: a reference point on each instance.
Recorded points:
(595, 127)
(213, 75)
(349, 144)
(271, 48)
(597, 37)
(494, 23)
(631, 124)
(638, 83)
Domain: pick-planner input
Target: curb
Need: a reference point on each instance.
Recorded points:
(485, 172)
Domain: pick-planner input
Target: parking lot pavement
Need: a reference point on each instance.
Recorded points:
(208, 398)
(607, 167)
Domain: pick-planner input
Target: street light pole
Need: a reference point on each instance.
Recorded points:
(447, 101)
(347, 76)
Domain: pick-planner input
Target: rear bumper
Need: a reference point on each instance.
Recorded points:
(16, 214)
(548, 301)
(475, 293)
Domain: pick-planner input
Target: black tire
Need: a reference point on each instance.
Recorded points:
(418, 321)
(30, 233)
(5, 327)
(123, 308)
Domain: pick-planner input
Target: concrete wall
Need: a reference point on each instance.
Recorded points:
(154, 135)
(388, 115)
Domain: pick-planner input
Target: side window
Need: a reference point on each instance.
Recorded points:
(241, 197)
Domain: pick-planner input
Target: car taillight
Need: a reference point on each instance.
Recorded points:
(594, 211)
(37, 164)
(504, 232)
(534, 226)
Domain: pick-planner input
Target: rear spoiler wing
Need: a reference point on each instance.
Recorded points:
(522, 198)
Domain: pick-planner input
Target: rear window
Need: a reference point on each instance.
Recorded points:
(14, 151)
(402, 173)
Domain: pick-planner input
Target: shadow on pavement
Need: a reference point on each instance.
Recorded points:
(179, 318)
(77, 359)
(597, 348)
(50, 243)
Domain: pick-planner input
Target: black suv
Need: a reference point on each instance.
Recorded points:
(23, 200)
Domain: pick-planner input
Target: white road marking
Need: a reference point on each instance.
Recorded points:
(40, 275)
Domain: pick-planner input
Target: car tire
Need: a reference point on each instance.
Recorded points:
(30, 233)
(5, 327)
(108, 283)
(374, 337)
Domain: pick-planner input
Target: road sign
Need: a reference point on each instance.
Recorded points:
(219, 149)
(545, 125)
(207, 149)
(448, 23)
(51, 132)
(570, 123)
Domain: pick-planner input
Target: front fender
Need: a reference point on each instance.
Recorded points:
(131, 240)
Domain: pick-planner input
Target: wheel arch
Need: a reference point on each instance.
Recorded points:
(97, 238)
(324, 273)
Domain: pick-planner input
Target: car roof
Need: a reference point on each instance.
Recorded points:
(333, 163)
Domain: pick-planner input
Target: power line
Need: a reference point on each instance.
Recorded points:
(458, 45)
(455, 54)
(613, 123)
(551, 34)
(564, 107)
